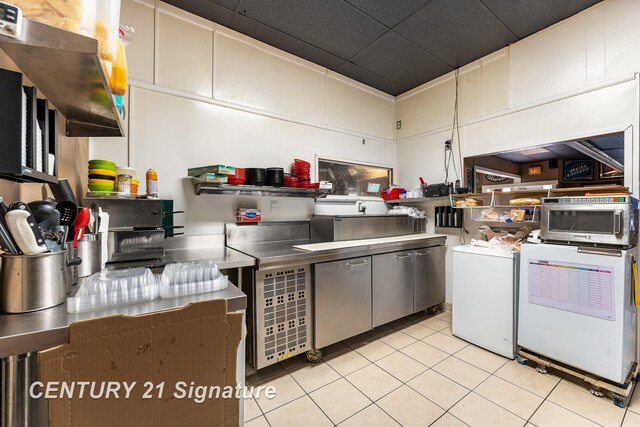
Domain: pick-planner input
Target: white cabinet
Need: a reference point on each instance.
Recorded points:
(140, 15)
(185, 51)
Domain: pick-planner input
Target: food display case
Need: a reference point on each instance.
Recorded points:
(502, 207)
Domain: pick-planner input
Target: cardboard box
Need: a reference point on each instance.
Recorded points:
(197, 343)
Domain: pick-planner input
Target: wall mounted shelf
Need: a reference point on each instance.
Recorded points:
(65, 67)
(415, 200)
(256, 191)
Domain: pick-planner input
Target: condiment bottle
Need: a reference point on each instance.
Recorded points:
(152, 184)
(118, 80)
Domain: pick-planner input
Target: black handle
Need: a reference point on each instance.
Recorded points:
(173, 235)
(3, 209)
(172, 213)
(74, 261)
(62, 191)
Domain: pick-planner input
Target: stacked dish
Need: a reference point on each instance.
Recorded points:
(302, 170)
(102, 175)
(275, 177)
(290, 181)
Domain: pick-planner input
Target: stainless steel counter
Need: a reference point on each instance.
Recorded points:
(282, 254)
(226, 258)
(39, 330)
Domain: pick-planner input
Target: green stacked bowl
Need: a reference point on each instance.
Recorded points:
(102, 175)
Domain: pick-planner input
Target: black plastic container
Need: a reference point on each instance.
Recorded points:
(275, 177)
(256, 176)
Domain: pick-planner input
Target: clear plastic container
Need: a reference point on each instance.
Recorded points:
(188, 278)
(107, 27)
(78, 16)
(114, 288)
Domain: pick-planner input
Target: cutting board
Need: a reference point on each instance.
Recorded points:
(317, 247)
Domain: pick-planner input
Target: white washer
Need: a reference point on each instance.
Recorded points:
(485, 283)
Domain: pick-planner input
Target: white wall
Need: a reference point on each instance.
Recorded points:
(203, 94)
(575, 79)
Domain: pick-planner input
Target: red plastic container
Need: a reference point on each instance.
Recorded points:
(392, 193)
(234, 181)
(239, 178)
(290, 181)
(302, 163)
(240, 174)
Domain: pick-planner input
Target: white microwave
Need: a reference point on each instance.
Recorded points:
(605, 220)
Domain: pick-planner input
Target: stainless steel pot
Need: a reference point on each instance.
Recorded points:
(90, 251)
(33, 282)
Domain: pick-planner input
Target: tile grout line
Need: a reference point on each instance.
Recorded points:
(449, 413)
(309, 396)
(522, 388)
(410, 379)
(495, 403)
(566, 409)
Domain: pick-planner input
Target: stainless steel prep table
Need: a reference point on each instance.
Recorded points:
(282, 254)
(21, 335)
(280, 328)
(39, 330)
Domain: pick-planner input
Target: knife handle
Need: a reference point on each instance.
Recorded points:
(22, 232)
(31, 221)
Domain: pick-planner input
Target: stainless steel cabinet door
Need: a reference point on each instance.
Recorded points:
(392, 286)
(428, 277)
(342, 300)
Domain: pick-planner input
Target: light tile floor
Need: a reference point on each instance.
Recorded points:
(413, 372)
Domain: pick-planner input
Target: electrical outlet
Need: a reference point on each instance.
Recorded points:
(274, 206)
(399, 124)
(447, 144)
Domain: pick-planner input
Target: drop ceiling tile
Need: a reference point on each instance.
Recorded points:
(205, 9)
(525, 17)
(607, 142)
(285, 42)
(457, 32)
(229, 4)
(331, 25)
(616, 153)
(390, 13)
(398, 60)
(515, 157)
(367, 77)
